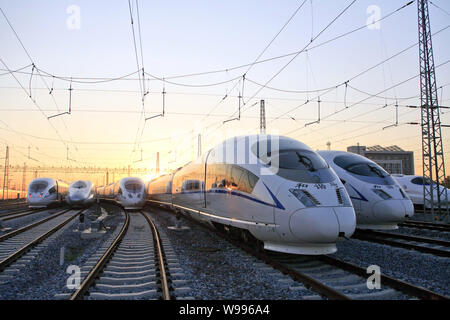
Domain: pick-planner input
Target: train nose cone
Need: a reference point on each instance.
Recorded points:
(322, 225)
(392, 210)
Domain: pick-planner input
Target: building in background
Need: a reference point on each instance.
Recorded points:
(393, 158)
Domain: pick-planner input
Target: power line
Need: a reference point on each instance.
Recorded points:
(166, 78)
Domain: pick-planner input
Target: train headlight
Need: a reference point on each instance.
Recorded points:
(305, 197)
(382, 194)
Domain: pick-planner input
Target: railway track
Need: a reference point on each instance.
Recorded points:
(330, 277)
(425, 225)
(133, 265)
(333, 278)
(20, 214)
(422, 244)
(18, 243)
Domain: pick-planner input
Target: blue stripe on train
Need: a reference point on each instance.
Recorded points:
(234, 193)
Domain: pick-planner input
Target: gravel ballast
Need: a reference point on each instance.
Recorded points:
(43, 276)
(215, 269)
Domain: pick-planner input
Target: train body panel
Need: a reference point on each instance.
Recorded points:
(258, 184)
(413, 186)
(43, 192)
(379, 202)
(128, 192)
(81, 193)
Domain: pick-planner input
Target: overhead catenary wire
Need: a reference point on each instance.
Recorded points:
(94, 80)
(33, 64)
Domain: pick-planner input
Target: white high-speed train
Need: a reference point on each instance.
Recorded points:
(128, 192)
(43, 192)
(413, 185)
(81, 193)
(272, 188)
(379, 202)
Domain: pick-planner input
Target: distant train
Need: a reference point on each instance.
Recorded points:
(413, 186)
(81, 193)
(273, 190)
(379, 202)
(128, 192)
(43, 192)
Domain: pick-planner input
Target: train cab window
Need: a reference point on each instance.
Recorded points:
(52, 190)
(38, 186)
(79, 185)
(300, 166)
(420, 181)
(133, 187)
(363, 168)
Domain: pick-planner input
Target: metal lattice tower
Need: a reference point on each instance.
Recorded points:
(432, 148)
(199, 145)
(157, 163)
(262, 118)
(6, 174)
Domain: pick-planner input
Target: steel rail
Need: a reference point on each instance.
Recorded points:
(30, 226)
(17, 215)
(21, 210)
(93, 274)
(310, 282)
(162, 270)
(382, 240)
(425, 225)
(16, 255)
(407, 288)
(438, 242)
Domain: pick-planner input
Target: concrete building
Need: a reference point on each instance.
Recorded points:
(393, 158)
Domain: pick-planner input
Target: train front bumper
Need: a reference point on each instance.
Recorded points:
(323, 224)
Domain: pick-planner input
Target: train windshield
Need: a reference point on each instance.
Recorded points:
(421, 181)
(79, 185)
(38, 186)
(364, 169)
(301, 166)
(133, 186)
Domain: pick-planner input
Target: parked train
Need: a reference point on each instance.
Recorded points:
(379, 201)
(43, 192)
(413, 185)
(272, 188)
(128, 192)
(81, 193)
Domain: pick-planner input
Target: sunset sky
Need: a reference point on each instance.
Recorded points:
(92, 42)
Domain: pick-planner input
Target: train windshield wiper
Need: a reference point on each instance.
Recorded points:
(377, 171)
(305, 161)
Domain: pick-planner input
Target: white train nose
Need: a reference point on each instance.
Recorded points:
(392, 210)
(322, 225)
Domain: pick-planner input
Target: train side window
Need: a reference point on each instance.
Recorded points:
(245, 180)
(52, 190)
(119, 191)
(235, 179)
